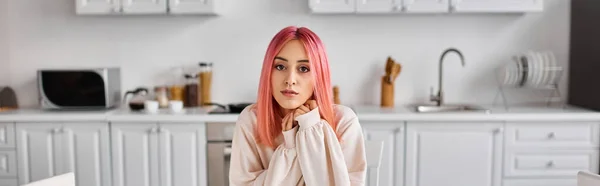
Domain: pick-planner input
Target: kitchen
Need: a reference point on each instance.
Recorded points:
(150, 49)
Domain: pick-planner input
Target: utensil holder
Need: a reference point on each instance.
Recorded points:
(387, 93)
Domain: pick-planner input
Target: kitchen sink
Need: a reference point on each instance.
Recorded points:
(449, 108)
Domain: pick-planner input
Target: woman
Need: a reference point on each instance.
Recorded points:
(294, 134)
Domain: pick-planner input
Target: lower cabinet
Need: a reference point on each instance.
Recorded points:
(49, 149)
(391, 171)
(8, 182)
(454, 154)
(158, 154)
(540, 182)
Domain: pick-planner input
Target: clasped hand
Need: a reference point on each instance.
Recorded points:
(289, 119)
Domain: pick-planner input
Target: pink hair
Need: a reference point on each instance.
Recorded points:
(267, 109)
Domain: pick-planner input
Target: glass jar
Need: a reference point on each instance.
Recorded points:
(161, 96)
(191, 91)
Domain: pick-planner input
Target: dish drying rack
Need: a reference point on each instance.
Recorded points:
(524, 80)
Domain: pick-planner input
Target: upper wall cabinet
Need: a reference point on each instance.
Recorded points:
(425, 6)
(334, 6)
(147, 6)
(501, 6)
(143, 6)
(97, 6)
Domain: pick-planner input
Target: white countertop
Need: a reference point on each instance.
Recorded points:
(521, 113)
(365, 113)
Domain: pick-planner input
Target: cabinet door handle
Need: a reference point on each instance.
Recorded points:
(55, 130)
(498, 130)
(152, 130)
(551, 135)
(453, 4)
(550, 164)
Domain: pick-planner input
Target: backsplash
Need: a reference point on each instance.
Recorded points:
(4, 68)
(48, 34)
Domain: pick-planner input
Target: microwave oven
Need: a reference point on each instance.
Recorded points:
(91, 88)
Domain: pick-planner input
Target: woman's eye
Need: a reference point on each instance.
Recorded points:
(304, 69)
(279, 67)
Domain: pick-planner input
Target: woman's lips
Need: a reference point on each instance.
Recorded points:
(289, 93)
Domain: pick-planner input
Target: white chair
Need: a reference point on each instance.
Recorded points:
(374, 150)
(585, 178)
(67, 179)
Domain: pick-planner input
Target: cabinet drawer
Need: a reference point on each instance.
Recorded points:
(7, 135)
(550, 163)
(8, 182)
(539, 182)
(8, 164)
(555, 134)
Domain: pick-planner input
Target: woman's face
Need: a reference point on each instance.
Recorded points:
(291, 79)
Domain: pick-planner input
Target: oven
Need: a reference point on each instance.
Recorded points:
(219, 136)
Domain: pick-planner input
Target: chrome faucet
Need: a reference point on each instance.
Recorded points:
(439, 98)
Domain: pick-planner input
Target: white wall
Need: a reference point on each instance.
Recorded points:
(4, 68)
(48, 34)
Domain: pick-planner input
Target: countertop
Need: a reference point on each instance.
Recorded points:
(520, 113)
(364, 112)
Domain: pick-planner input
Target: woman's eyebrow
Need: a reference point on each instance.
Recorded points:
(299, 61)
(281, 58)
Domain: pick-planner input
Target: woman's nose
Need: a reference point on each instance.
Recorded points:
(290, 79)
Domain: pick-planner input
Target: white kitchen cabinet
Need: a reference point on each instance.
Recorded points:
(86, 152)
(135, 154)
(540, 182)
(391, 171)
(454, 154)
(500, 6)
(8, 166)
(8, 182)
(332, 6)
(183, 154)
(39, 151)
(7, 135)
(49, 149)
(426, 6)
(151, 154)
(378, 6)
(143, 6)
(97, 6)
(195, 6)
(148, 6)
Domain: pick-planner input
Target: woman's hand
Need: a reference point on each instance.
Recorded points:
(289, 120)
(305, 108)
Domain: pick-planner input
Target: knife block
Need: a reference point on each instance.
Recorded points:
(387, 93)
